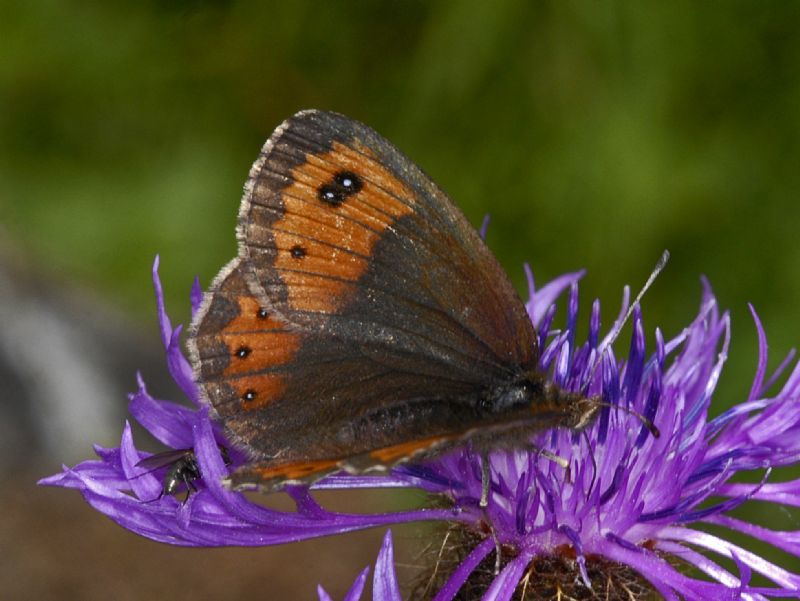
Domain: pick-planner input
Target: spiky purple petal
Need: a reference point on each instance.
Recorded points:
(384, 581)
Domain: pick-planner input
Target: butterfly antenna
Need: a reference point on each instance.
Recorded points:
(662, 262)
(648, 423)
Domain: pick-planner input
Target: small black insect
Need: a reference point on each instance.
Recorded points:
(182, 469)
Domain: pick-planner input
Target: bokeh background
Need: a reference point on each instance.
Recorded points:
(595, 134)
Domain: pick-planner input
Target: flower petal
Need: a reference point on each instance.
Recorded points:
(384, 582)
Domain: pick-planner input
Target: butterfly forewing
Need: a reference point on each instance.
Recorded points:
(363, 311)
(311, 239)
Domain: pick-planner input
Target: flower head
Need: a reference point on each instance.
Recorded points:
(627, 509)
(632, 499)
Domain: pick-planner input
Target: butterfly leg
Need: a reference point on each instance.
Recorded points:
(486, 480)
(560, 461)
(498, 552)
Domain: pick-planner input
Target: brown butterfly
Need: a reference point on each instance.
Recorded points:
(364, 321)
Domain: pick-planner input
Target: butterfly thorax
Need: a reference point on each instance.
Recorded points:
(531, 397)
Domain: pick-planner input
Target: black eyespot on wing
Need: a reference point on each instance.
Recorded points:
(349, 181)
(331, 194)
(298, 252)
(344, 185)
(243, 351)
(249, 395)
(262, 314)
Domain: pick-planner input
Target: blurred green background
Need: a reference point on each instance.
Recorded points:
(595, 133)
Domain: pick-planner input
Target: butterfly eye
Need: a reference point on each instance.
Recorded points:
(485, 405)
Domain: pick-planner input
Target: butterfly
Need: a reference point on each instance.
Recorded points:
(364, 322)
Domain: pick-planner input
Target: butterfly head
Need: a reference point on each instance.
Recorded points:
(580, 411)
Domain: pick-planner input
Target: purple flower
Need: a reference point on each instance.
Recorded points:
(628, 500)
